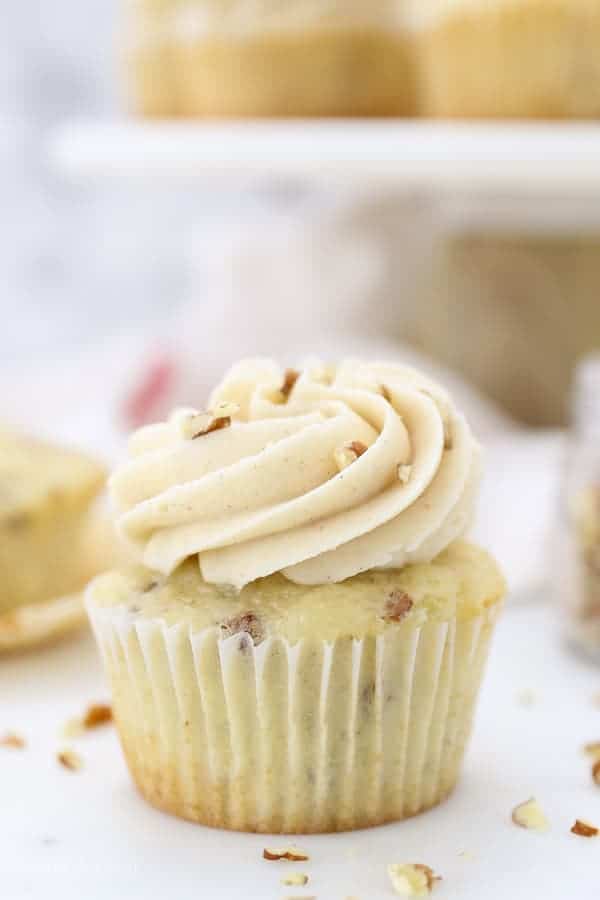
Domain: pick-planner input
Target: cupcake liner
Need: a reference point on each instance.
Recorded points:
(311, 737)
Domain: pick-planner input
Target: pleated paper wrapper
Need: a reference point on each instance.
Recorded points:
(314, 736)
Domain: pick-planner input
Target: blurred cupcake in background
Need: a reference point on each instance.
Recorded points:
(254, 58)
(302, 644)
(509, 58)
(49, 546)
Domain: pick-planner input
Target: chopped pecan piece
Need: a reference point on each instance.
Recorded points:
(290, 854)
(295, 879)
(349, 453)
(290, 377)
(70, 760)
(12, 740)
(412, 879)
(592, 749)
(583, 829)
(97, 714)
(397, 606)
(245, 623)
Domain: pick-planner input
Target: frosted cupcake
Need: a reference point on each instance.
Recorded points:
(302, 646)
(249, 58)
(510, 58)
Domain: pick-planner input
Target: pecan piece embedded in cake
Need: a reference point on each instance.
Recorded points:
(245, 623)
(397, 606)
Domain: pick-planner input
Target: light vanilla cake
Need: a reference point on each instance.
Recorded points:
(257, 58)
(47, 553)
(301, 645)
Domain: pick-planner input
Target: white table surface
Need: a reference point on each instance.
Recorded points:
(88, 834)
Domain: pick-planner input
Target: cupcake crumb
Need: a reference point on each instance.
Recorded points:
(295, 879)
(412, 879)
(199, 424)
(530, 815)
(583, 829)
(290, 854)
(13, 740)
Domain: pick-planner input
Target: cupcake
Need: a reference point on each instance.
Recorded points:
(248, 59)
(46, 494)
(301, 646)
(510, 58)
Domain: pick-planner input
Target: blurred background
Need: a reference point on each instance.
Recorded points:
(502, 290)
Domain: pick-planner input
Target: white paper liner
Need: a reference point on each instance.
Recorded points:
(311, 737)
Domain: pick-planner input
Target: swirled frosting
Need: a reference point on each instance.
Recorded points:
(318, 474)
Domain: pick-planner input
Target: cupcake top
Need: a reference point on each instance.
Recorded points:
(463, 582)
(317, 474)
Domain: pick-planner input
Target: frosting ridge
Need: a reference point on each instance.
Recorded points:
(318, 474)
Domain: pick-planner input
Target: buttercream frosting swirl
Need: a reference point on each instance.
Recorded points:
(318, 474)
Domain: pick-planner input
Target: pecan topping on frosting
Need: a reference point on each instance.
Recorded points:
(290, 377)
(349, 453)
(267, 499)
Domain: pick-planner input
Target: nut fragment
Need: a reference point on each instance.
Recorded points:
(397, 606)
(448, 438)
(70, 760)
(530, 815)
(295, 879)
(412, 879)
(290, 377)
(592, 749)
(97, 714)
(198, 424)
(349, 453)
(584, 829)
(404, 471)
(12, 740)
(245, 623)
(291, 854)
